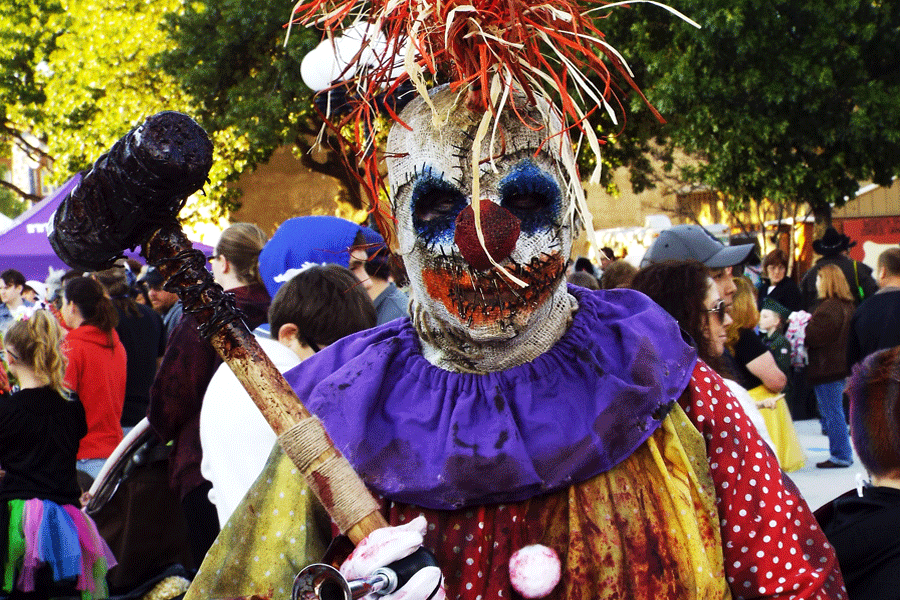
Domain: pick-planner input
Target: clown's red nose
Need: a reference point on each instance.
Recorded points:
(501, 231)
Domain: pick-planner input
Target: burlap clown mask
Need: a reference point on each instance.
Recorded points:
(471, 312)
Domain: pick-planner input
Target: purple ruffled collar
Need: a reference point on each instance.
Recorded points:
(422, 435)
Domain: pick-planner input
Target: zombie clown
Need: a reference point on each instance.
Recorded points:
(541, 440)
(482, 306)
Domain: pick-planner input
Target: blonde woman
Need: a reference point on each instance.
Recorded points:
(754, 364)
(40, 431)
(826, 341)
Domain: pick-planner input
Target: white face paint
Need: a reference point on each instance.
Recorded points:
(527, 227)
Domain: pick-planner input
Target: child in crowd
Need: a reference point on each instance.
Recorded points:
(772, 319)
(316, 307)
(863, 524)
(50, 545)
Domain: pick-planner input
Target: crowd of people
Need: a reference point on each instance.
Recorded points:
(87, 361)
(498, 398)
(105, 350)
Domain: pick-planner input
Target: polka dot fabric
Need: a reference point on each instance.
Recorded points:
(772, 544)
(277, 529)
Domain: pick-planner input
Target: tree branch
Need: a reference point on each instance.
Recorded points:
(20, 192)
(335, 165)
(28, 147)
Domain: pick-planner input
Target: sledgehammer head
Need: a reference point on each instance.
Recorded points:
(131, 191)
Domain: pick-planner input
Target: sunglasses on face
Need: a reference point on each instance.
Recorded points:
(718, 310)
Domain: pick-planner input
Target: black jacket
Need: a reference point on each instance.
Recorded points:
(875, 325)
(865, 533)
(144, 338)
(786, 292)
(39, 436)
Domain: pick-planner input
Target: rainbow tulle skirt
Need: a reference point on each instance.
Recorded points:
(63, 538)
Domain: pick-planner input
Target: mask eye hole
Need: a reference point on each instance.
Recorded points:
(435, 206)
(532, 195)
(525, 202)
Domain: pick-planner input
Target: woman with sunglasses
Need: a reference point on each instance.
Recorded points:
(687, 292)
(184, 374)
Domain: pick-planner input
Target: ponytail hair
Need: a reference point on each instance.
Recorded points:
(95, 307)
(36, 343)
(241, 244)
(115, 282)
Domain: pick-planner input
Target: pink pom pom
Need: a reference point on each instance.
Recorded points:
(534, 571)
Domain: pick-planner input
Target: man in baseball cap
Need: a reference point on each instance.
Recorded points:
(692, 242)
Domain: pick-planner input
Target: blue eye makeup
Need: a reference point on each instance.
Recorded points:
(435, 206)
(531, 195)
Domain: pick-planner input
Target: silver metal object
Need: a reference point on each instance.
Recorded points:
(324, 582)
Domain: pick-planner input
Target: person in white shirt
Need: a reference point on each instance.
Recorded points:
(316, 307)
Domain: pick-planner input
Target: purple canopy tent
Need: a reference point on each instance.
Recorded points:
(25, 247)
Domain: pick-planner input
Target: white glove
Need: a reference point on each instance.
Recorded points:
(387, 545)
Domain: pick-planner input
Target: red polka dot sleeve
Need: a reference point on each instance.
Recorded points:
(773, 545)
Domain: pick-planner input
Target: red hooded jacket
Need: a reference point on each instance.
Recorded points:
(97, 372)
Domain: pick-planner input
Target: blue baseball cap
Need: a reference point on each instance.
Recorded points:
(317, 239)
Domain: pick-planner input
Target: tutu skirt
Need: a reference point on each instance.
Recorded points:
(60, 537)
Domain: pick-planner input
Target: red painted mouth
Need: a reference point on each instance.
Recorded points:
(490, 297)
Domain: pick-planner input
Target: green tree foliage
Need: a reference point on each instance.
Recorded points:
(99, 83)
(778, 99)
(231, 57)
(11, 204)
(85, 77)
(80, 75)
(25, 41)
(75, 74)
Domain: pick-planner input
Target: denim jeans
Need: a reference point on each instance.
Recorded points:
(831, 406)
(91, 466)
